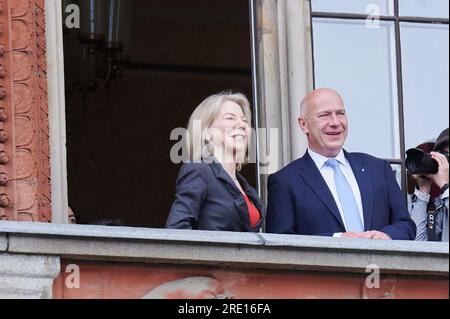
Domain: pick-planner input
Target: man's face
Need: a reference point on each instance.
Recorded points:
(325, 123)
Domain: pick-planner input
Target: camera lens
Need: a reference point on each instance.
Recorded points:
(420, 163)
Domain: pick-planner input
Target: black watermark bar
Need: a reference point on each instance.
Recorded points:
(168, 309)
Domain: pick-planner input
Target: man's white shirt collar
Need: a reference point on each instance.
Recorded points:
(320, 160)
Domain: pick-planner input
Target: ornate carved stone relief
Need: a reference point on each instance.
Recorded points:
(24, 130)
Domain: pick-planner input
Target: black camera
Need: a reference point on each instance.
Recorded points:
(419, 162)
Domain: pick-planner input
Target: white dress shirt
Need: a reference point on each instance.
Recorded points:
(328, 175)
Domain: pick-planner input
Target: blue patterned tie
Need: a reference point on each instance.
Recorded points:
(347, 198)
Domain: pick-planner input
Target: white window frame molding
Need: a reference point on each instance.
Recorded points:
(56, 109)
(284, 65)
(283, 60)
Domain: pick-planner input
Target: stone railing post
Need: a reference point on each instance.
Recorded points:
(27, 276)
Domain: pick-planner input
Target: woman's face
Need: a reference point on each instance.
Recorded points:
(230, 130)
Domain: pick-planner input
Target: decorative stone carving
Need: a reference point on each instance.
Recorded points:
(20, 7)
(23, 98)
(3, 115)
(3, 72)
(26, 196)
(3, 136)
(3, 179)
(190, 288)
(24, 136)
(4, 158)
(4, 201)
(22, 66)
(25, 164)
(3, 93)
(19, 28)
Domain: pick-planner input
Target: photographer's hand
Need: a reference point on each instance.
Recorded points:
(441, 178)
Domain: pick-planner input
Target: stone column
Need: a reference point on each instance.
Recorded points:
(284, 77)
(27, 276)
(24, 135)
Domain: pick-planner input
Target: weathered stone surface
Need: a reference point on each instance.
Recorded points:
(3, 243)
(25, 287)
(27, 276)
(263, 251)
(85, 231)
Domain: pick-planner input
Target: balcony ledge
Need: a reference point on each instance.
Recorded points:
(249, 250)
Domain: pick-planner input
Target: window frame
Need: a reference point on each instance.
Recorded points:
(56, 110)
(54, 20)
(397, 19)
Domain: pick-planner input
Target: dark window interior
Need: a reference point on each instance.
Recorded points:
(124, 99)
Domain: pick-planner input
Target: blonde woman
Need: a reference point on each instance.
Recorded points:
(210, 192)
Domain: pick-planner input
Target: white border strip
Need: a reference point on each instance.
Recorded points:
(56, 109)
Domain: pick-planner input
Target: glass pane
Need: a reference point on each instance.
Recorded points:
(359, 63)
(369, 7)
(424, 8)
(425, 55)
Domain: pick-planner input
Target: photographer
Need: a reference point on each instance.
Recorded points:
(428, 204)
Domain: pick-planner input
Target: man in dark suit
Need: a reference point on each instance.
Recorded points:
(329, 192)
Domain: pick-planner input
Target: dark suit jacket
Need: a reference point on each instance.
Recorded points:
(207, 199)
(300, 201)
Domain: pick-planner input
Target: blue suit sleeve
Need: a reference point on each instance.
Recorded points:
(191, 191)
(280, 209)
(401, 226)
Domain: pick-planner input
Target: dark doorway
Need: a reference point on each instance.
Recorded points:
(124, 101)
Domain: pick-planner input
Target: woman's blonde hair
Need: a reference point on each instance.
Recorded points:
(199, 145)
